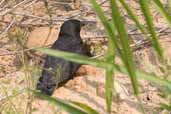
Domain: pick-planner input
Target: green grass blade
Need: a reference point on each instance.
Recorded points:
(169, 4)
(145, 76)
(109, 88)
(102, 18)
(163, 11)
(148, 18)
(166, 106)
(118, 68)
(134, 17)
(74, 57)
(85, 107)
(112, 38)
(67, 107)
(124, 41)
(110, 53)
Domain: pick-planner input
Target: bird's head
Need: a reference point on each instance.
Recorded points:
(71, 27)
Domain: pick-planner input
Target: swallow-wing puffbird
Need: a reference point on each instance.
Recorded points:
(57, 71)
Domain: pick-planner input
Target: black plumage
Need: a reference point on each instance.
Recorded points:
(57, 71)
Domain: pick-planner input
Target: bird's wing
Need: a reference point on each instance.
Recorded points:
(54, 72)
(54, 68)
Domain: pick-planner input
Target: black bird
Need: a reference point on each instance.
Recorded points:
(58, 71)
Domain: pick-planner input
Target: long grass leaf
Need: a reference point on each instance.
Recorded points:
(146, 76)
(85, 107)
(146, 11)
(74, 57)
(169, 5)
(163, 11)
(107, 26)
(67, 107)
(124, 41)
(109, 88)
(110, 53)
(134, 17)
(119, 68)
